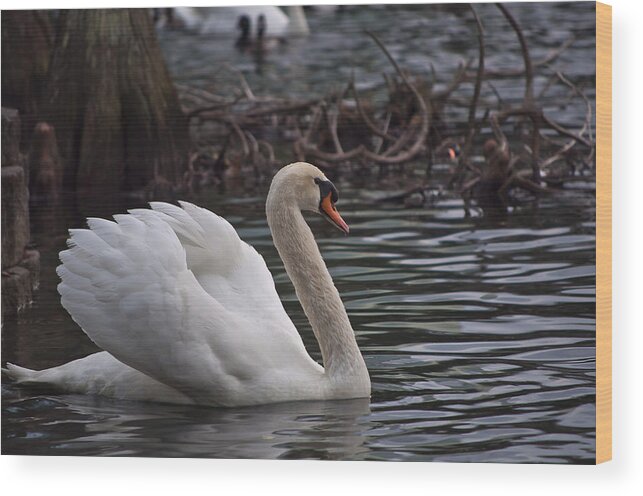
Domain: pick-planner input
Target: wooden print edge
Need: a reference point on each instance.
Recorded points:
(603, 232)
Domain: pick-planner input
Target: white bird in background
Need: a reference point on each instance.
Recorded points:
(224, 20)
(188, 313)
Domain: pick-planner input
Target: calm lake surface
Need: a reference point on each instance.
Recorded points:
(479, 334)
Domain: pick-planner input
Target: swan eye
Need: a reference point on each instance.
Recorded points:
(326, 188)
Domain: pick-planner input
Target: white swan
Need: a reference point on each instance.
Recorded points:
(188, 313)
(224, 20)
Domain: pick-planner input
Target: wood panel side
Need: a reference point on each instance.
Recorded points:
(603, 232)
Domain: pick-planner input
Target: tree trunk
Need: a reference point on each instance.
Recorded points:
(26, 50)
(113, 105)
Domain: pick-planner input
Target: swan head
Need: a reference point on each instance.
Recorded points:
(305, 186)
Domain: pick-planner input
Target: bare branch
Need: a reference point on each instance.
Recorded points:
(367, 120)
(520, 71)
(424, 114)
(380, 140)
(331, 117)
(245, 87)
(529, 92)
(463, 159)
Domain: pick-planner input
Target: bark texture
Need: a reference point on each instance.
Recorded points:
(27, 37)
(45, 167)
(113, 105)
(20, 266)
(15, 197)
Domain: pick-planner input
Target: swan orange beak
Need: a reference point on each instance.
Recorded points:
(328, 208)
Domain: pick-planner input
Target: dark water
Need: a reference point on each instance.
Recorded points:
(479, 340)
(431, 41)
(479, 334)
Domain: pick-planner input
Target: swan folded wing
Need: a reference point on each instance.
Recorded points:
(127, 284)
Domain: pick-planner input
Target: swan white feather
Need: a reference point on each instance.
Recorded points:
(188, 313)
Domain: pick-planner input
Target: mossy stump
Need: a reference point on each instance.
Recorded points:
(20, 266)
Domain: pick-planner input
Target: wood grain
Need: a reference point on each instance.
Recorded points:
(603, 232)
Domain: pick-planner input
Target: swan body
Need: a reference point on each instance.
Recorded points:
(188, 313)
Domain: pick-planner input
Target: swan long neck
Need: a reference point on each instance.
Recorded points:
(315, 289)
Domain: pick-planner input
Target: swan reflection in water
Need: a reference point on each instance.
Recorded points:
(93, 425)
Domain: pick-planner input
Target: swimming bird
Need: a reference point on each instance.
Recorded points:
(262, 43)
(221, 21)
(186, 312)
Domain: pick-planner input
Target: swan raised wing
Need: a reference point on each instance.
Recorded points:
(229, 269)
(174, 293)
(188, 313)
